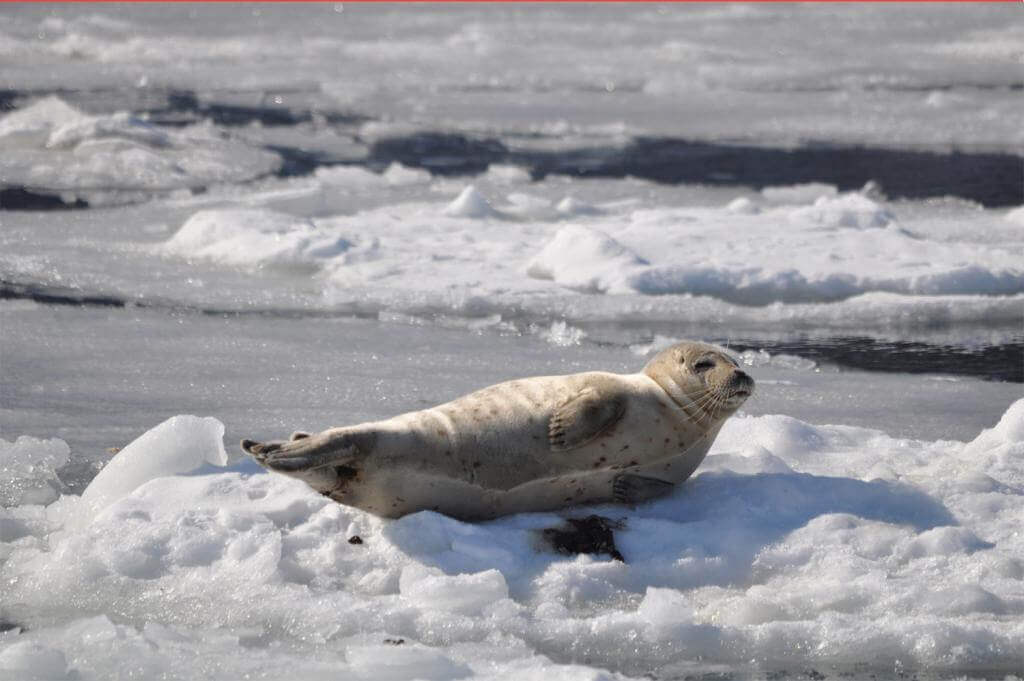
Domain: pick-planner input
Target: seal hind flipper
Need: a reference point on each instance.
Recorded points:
(588, 415)
(336, 447)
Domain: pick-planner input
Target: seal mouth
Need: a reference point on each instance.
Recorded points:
(743, 393)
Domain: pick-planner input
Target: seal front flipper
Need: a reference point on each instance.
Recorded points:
(631, 489)
(589, 414)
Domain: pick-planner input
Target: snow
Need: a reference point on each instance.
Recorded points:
(51, 146)
(829, 248)
(252, 237)
(850, 542)
(584, 260)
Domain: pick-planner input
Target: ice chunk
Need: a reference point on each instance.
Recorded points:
(572, 206)
(584, 259)
(664, 608)
(118, 157)
(1016, 215)
(398, 175)
(743, 206)
(29, 660)
(353, 177)
(42, 116)
(561, 334)
(799, 193)
(470, 203)
(121, 124)
(178, 445)
(507, 174)
(397, 663)
(28, 470)
(847, 210)
(251, 236)
(429, 588)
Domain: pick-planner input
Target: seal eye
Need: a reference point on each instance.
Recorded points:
(703, 364)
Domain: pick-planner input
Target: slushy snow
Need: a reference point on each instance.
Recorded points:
(795, 546)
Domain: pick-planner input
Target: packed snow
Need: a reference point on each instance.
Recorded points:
(797, 546)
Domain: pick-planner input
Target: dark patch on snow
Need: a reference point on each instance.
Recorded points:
(355, 539)
(20, 198)
(593, 534)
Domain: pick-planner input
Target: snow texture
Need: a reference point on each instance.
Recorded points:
(795, 546)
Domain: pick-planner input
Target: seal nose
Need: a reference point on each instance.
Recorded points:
(742, 378)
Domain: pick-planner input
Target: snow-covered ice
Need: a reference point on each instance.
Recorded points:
(52, 147)
(797, 546)
(824, 248)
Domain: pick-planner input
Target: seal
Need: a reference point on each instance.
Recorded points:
(528, 445)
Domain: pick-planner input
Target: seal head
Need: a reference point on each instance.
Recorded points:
(702, 379)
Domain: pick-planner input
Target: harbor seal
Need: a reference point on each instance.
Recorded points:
(534, 444)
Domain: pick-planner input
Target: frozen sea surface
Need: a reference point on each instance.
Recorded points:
(220, 222)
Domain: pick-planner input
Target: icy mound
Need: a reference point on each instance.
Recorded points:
(252, 236)
(797, 546)
(470, 203)
(178, 445)
(50, 146)
(28, 470)
(584, 259)
(1016, 216)
(848, 210)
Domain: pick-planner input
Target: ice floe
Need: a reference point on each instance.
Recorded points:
(796, 545)
(54, 148)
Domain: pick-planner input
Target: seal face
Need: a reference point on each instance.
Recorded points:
(529, 445)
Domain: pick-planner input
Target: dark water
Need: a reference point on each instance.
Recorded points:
(990, 179)
(987, 178)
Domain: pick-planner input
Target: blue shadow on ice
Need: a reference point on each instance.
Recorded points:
(709, 532)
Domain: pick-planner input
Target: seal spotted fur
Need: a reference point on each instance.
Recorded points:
(533, 444)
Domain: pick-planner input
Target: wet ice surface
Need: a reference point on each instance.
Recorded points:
(451, 197)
